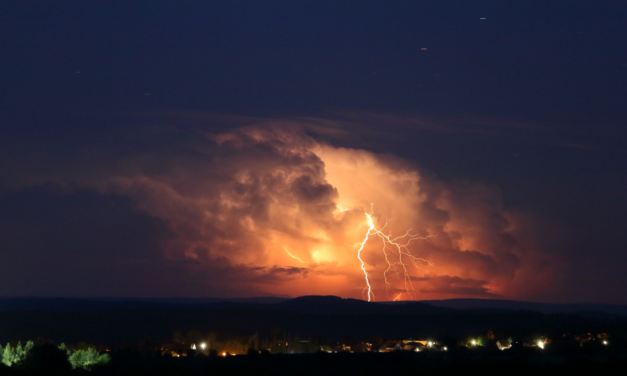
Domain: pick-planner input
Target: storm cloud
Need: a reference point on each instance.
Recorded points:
(264, 209)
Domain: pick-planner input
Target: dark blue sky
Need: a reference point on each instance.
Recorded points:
(529, 97)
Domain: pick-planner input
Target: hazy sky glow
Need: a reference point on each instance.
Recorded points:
(206, 149)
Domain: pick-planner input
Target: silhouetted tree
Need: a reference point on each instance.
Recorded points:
(29, 346)
(9, 357)
(64, 348)
(19, 353)
(47, 357)
(481, 340)
(82, 346)
(88, 359)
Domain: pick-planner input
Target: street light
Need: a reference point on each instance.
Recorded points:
(203, 345)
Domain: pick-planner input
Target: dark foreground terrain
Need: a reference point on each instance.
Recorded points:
(284, 338)
(396, 363)
(111, 322)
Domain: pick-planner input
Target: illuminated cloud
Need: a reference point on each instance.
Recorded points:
(271, 210)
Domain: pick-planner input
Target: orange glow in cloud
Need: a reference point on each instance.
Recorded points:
(274, 212)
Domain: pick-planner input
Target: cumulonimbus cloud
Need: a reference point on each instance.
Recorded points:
(272, 210)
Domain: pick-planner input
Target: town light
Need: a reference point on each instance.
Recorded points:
(540, 344)
(605, 342)
(444, 348)
(473, 342)
(223, 354)
(430, 343)
(203, 345)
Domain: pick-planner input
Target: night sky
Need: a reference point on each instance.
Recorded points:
(238, 148)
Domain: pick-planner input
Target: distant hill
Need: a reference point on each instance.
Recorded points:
(304, 304)
(113, 320)
(336, 305)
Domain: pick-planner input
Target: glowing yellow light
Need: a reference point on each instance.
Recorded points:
(223, 354)
(430, 344)
(473, 342)
(605, 342)
(203, 345)
(540, 344)
(322, 254)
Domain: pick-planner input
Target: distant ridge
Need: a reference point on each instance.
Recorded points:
(305, 304)
(312, 304)
(334, 304)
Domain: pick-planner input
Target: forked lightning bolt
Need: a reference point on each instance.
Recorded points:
(399, 244)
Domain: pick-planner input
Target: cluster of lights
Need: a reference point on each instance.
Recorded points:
(540, 344)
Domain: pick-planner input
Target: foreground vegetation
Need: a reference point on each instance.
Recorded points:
(46, 355)
(284, 354)
(524, 361)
